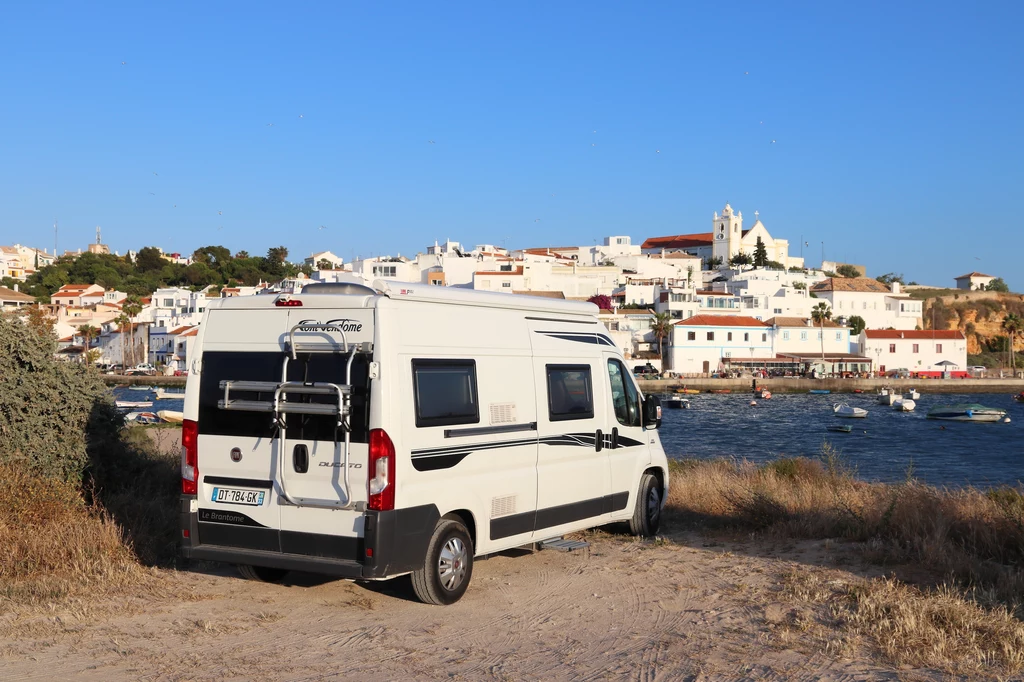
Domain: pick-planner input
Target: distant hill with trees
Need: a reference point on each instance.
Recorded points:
(150, 271)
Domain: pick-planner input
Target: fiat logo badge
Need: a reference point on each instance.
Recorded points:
(236, 454)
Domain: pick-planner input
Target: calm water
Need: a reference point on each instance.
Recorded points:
(881, 447)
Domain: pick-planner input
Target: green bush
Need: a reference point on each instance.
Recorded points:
(51, 413)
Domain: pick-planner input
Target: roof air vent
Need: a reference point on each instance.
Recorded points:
(346, 288)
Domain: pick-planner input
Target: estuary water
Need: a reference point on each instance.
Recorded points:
(881, 446)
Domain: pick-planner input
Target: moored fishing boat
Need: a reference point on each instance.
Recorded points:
(903, 405)
(678, 403)
(131, 404)
(844, 410)
(164, 394)
(967, 412)
(913, 394)
(819, 391)
(171, 416)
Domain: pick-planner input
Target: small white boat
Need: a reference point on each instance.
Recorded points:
(172, 416)
(678, 403)
(886, 396)
(164, 394)
(903, 405)
(848, 412)
(131, 404)
(142, 418)
(140, 388)
(913, 394)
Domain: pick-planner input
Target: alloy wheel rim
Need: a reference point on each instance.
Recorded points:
(451, 565)
(653, 505)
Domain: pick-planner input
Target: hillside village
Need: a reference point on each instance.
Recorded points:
(730, 300)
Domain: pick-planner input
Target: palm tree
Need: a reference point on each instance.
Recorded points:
(819, 314)
(662, 327)
(1013, 324)
(131, 307)
(88, 333)
(123, 323)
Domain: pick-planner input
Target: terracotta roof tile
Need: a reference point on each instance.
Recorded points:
(797, 322)
(973, 274)
(952, 334)
(679, 241)
(721, 321)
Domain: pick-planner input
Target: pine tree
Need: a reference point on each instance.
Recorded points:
(760, 254)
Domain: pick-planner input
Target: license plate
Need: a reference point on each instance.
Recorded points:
(253, 498)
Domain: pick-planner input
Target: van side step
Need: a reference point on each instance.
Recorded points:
(563, 545)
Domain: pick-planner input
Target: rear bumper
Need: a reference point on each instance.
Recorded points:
(394, 542)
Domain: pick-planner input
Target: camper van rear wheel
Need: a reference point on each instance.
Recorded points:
(262, 573)
(647, 513)
(448, 566)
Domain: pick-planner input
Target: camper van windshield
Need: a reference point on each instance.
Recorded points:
(307, 367)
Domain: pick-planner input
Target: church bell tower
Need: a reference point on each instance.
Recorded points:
(727, 231)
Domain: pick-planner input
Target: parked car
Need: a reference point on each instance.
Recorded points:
(645, 370)
(144, 368)
(111, 368)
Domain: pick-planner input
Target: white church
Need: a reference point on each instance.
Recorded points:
(726, 239)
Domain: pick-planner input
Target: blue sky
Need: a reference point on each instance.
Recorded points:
(898, 127)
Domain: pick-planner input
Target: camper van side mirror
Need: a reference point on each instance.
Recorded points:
(652, 411)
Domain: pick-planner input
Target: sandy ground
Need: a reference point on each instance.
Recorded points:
(673, 609)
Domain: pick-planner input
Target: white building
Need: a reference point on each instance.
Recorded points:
(78, 295)
(176, 307)
(324, 257)
(726, 239)
(880, 306)
(973, 281)
(706, 343)
(805, 337)
(630, 329)
(917, 351)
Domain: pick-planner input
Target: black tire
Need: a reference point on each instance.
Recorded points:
(262, 574)
(447, 567)
(647, 511)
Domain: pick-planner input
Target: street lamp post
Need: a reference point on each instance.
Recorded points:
(878, 363)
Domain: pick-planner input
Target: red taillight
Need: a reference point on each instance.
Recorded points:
(189, 457)
(381, 486)
(284, 302)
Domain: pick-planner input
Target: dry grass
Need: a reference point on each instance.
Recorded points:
(975, 536)
(968, 545)
(55, 545)
(940, 629)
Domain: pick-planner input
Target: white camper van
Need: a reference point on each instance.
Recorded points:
(406, 429)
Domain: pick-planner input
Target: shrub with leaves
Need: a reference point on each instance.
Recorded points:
(50, 411)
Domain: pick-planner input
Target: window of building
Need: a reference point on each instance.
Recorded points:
(803, 336)
(938, 348)
(385, 270)
(728, 336)
(916, 348)
(624, 396)
(819, 336)
(777, 311)
(746, 336)
(506, 285)
(764, 337)
(445, 392)
(892, 347)
(168, 302)
(505, 268)
(677, 298)
(677, 314)
(570, 393)
(785, 336)
(727, 354)
(839, 336)
(888, 306)
(711, 336)
(691, 336)
(864, 305)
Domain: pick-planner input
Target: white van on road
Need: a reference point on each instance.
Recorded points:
(406, 429)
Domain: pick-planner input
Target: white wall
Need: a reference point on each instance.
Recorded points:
(688, 356)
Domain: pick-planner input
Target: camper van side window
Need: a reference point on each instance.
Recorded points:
(445, 392)
(570, 394)
(624, 395)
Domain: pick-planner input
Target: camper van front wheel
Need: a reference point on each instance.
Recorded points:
(448, 566)
(647, 513)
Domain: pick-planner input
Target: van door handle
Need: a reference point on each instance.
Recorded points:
(615, 438)
(300, 458)
(598, 440)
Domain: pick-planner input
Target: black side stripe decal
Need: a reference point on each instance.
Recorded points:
(580, 337)
(431, 459)
(527, 522)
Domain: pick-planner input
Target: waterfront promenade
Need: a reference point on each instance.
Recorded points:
(801, 385)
